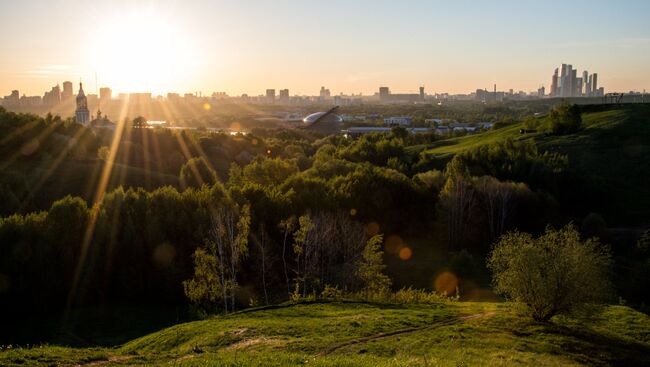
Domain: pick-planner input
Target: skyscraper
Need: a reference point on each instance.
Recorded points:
(67, 91)
(554, 85)
(570, 85)
(578, 92)
(574, 83)
(82, 113)
(566, 84)
(563, 81)
(422, 93)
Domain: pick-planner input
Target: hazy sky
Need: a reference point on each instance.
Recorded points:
(350, 46)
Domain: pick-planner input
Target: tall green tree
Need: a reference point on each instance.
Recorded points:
(372, 266)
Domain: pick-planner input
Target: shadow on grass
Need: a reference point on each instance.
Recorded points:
(581, 343)
(99, 326)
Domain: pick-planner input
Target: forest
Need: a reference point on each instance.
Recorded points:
(141, 217)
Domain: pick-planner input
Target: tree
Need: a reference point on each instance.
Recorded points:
(329, 248)
(553, 274)
(564, 119)
(287, 226)
(139, 122)
(531, 123)
(216, 265)
(196, 173)
(262, 242)
(303, 238)
(498, 200)
(372, 266)
(457, 200)
(204, 290)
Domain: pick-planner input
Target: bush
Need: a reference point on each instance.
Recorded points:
(564, 119)
(553, 274)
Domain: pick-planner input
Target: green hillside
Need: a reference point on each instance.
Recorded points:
(610, 154)
(460, 144)
(366, 334)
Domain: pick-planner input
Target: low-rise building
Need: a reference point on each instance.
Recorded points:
(398, 121)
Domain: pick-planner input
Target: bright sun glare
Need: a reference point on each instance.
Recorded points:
(142, 52)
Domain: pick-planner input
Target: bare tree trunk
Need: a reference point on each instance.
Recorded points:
(284, 260)
(262, 244)
(217, 234)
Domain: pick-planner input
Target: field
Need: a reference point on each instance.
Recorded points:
(373, 334)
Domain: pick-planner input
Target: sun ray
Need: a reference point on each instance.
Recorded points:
(34, 188)
(94, 212)
(40, 137)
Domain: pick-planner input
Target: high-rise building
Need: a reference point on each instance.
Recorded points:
(82, 113)
(105, 94)
(67, 91)
(53, 97)
(12, 100)
(284, 95)
(324, 93)
(571, 79)
(554, 85)
(422, 93)
(384, 92)
(563, 80)
(567, 84)
(270, 95)
(140, 98)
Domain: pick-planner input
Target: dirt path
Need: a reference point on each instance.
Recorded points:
(366, 339)
(111, 359)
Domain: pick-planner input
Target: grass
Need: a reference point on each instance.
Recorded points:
(610, 155)
(437, 336)
(460, 144)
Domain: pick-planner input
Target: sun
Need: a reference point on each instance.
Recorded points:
(142, 52)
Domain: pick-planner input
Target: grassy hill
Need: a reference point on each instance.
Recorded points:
(610, 154)
(367, 334)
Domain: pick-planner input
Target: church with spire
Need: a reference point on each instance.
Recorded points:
(82, 113)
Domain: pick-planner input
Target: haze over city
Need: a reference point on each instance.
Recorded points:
(352, 47)
(324, 183)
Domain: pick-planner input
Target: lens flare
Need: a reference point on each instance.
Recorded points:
(163, 255)
(405, 253)
(393, 244)
(446, 282)
(372, 229)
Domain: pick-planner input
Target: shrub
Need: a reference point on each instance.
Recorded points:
(564, 119)
(553, 274)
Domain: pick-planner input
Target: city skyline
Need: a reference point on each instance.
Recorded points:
(249, 47)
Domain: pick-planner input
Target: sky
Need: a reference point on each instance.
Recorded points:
(351, 46)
